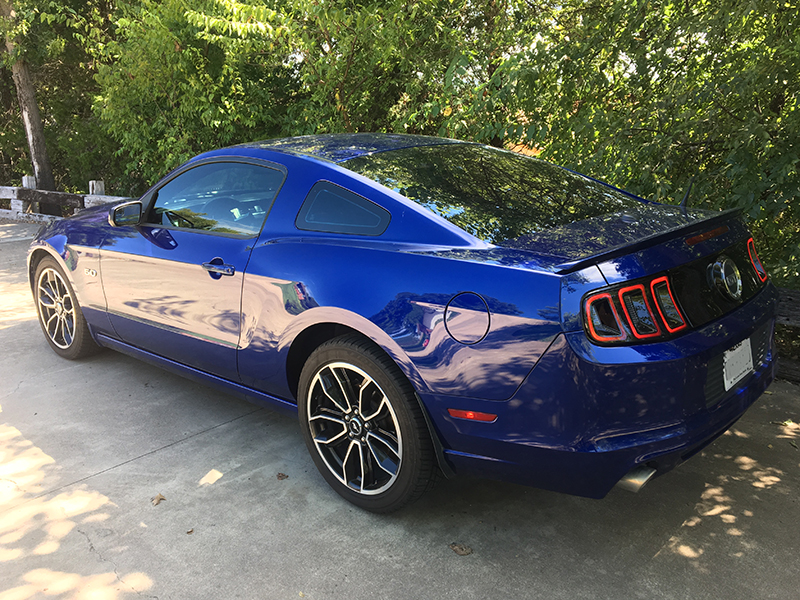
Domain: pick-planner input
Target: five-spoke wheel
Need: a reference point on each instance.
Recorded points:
(363, 426)
(59, 313)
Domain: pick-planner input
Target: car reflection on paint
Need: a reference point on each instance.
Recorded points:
(427, 306)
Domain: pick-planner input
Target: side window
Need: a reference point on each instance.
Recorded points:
(222, 197)
(330, 208)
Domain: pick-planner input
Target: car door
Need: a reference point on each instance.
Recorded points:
(173, 283)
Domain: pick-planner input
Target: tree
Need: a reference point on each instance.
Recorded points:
(170, 89)
(60, 41)
(671, 92)
(648, 95)
(26, 96)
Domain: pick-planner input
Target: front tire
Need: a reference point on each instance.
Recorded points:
(60, 314)
(363, 426)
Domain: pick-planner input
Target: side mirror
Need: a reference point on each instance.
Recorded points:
(127, 214)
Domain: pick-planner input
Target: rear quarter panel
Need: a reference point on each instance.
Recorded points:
(399, 299)
(395, 289)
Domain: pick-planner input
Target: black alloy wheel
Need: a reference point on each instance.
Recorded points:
(363, 426)
(59, 312)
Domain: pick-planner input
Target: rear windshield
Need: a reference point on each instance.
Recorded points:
(493, 194)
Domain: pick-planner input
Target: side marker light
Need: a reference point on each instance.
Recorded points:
(472, 415)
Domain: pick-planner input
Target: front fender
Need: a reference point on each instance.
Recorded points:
(79, 259)
(55, 247)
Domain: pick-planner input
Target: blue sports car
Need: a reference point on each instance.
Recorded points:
(427, 306)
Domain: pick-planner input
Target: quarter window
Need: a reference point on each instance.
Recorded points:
(330, 208)
(220, 197)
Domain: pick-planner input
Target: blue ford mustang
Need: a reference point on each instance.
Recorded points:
(427, 305)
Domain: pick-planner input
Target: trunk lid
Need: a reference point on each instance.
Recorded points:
(605, 237)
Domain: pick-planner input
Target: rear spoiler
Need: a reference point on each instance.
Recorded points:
(617, 251)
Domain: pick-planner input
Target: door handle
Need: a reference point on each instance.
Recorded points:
(217, 267)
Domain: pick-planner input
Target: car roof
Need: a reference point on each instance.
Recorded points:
(339, 147)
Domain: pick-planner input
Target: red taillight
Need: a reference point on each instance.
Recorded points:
(638, 312)
(626, 314)
(602, 319)
(755, 261)
(472, 415)
(666, 305)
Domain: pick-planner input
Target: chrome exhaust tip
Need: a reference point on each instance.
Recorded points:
(636, 478)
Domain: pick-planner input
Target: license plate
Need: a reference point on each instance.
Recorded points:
(737, 363)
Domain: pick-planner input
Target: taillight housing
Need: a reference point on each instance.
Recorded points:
(755, 261)
(634, 312)
(602, 319)
(667, 307)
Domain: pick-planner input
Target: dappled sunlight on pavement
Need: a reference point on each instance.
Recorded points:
(17, 299)
(788, 430)
(14, 289)
(86, 447)
(16, 311)
(13, 231)
(34, 525)
(21, 466)
(38, 582)
(727, 507)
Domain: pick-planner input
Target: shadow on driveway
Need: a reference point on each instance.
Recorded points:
(86, 445)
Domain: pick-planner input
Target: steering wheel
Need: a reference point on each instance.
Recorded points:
(222, 209)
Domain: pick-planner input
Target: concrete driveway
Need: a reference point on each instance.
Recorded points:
(85, 446)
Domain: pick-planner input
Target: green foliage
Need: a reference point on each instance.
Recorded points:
(170, 90)
(648, 95)
(355, 66)
(57, 39)
(14, 160)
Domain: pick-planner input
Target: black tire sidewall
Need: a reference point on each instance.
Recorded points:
(82, 342)
(405, 487)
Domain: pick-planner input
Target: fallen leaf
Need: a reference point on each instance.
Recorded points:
(282, 476)
(460, 549)
(793, 443)
(302, 595)
(190, 532)
(157, 500)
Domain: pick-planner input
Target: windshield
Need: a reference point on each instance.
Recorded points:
(495, 195)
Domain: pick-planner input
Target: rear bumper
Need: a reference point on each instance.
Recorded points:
(587, 415)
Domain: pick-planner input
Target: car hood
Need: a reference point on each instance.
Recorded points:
(94, 214)
(614, 233)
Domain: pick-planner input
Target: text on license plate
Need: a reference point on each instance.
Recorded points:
(737, 363)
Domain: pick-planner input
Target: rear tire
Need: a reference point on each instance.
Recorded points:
(363, 426)
(60, 314)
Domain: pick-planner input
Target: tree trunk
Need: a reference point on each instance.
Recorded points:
(32, 120)
(34, 130)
